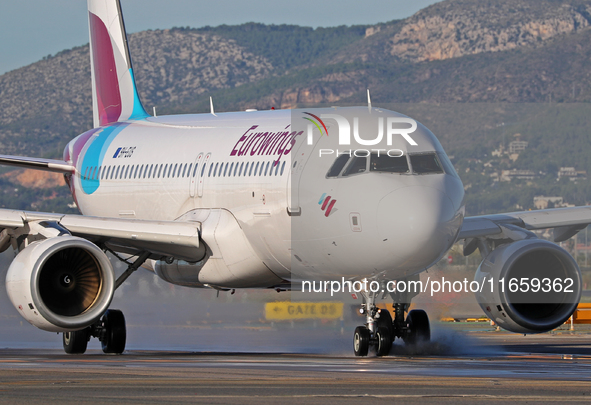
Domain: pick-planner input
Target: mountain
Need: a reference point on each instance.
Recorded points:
(455, 51)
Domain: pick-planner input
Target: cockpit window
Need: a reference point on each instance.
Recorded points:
(426, 163)
(388, 164)
(357, 165)
(419, 163)
(337, 166)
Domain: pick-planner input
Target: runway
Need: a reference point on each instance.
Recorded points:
(492, 367)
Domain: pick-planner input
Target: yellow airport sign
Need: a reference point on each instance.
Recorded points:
(288, 310)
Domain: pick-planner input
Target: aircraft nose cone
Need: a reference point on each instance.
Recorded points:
(417, 224)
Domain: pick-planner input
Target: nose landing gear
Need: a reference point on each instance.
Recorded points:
(380, 330)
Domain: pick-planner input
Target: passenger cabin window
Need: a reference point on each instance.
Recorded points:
(425, 163)
(387, 164)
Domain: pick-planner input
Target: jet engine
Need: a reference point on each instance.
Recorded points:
(61, 284)
(529, 286)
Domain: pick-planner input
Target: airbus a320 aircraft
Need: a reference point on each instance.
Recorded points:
(264, 199)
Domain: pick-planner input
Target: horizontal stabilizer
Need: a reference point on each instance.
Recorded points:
(48, 165)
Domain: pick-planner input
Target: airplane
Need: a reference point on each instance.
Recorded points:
(270, 200)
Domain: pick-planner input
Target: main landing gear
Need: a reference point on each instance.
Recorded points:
(380, 330)
(110, 330)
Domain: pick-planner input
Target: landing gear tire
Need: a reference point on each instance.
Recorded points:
(384, 341)
(361, 341)
(419, 330)
(385, 320)
(75, 342)
(114, 335)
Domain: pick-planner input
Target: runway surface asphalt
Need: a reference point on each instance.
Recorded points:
(475, 367)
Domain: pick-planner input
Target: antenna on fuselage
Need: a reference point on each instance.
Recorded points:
(368, 101)
(211, 106)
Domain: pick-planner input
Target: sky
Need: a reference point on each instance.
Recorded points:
(32, 29)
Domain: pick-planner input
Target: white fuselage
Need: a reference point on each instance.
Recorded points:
(259, 167)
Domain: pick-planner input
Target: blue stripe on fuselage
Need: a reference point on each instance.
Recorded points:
(95, 153)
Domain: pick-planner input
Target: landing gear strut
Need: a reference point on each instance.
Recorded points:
(380, 330)
(110, 330)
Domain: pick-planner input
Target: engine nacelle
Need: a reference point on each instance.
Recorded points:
(548, 273)
(61, 284)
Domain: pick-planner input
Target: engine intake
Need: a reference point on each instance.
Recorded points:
(61, 284)
(535, 287)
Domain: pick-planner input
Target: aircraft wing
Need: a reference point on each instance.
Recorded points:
(160, 238)
(48, 165)
(565, 221)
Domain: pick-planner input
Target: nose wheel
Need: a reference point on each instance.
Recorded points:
(380, 330)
